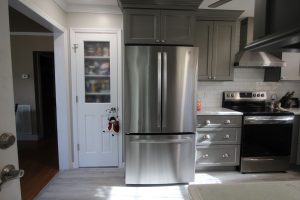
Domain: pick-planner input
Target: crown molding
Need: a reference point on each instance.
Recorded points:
(103, 9)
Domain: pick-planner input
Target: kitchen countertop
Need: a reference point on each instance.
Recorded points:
(219, 111)
(296, 111)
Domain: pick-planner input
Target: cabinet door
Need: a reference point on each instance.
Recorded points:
(142, 26)
(223, 50)
(203, 40)
(292, 69)
(177, 27)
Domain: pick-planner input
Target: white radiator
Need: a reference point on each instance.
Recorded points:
(23, 121)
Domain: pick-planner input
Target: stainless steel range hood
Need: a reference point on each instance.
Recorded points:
(253, 59)
(258, 59)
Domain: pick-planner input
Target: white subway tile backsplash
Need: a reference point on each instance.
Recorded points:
(210, 93)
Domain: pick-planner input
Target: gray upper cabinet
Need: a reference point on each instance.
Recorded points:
(177, 27)
(145, 26)
(216, 40)
(142, 26)
(292, 70)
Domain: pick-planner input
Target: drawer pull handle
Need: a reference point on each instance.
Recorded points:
(227, 121)
(206, 137)
(205, 156)
(226, 155)
(227, 136)
(207, 122)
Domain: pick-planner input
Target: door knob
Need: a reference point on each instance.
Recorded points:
(6, 140)
(9, 173)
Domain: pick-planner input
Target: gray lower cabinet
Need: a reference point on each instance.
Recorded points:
(216, 40)
(164, 27)
(218, 141)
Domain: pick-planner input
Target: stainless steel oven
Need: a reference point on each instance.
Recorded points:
(266, 132)
(266, 143)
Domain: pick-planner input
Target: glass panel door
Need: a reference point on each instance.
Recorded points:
(97, 72)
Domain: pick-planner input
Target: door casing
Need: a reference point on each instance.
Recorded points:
(73, 32)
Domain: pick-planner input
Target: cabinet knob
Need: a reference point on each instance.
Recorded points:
(209, 77)
(227, 136)
(206, 137)
(214, 77)
(205, 156)
(225, 155)
(163, 40)
(156, 40)
(207, 122)
(282, 78)
(227, 121)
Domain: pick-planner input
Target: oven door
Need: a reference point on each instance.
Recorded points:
(266, 143)
(267, 136)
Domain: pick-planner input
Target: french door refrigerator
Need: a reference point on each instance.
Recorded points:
(159, 114)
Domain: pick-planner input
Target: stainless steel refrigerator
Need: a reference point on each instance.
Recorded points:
(159, 114)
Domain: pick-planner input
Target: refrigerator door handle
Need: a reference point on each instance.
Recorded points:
(162, 141)
(159, 89)
(165, 80)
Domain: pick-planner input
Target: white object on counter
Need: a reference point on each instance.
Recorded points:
(218, 111)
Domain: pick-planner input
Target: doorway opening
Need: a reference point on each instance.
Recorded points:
(35, 102)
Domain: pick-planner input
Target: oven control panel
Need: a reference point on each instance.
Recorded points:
(248, 96)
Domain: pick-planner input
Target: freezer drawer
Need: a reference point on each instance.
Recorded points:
(160, 159)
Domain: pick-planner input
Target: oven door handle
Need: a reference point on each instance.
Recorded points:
(268, 119)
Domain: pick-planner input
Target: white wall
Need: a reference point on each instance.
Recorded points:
(22, 48)
(210, 93)
(87, 20)
(50, 8)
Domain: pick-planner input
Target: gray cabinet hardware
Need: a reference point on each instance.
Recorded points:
(225, 155)
(205, 156)
(206, 137)
(9, 173)
(227, 121)
(227, 136)
(6, 140)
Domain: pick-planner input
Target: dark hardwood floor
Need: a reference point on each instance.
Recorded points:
(39, 159)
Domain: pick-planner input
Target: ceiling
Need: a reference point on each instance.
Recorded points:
(246, 5)
(111, 6)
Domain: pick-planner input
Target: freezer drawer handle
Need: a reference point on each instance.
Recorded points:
(162, 141)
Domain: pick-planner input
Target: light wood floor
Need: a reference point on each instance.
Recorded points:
(108, 184)
(39, 159)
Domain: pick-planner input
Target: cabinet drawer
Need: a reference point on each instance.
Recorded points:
(218, 155)
(207, 136)
(207, 121)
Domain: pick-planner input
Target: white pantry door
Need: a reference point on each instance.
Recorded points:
(96, 63)
(11, 189)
